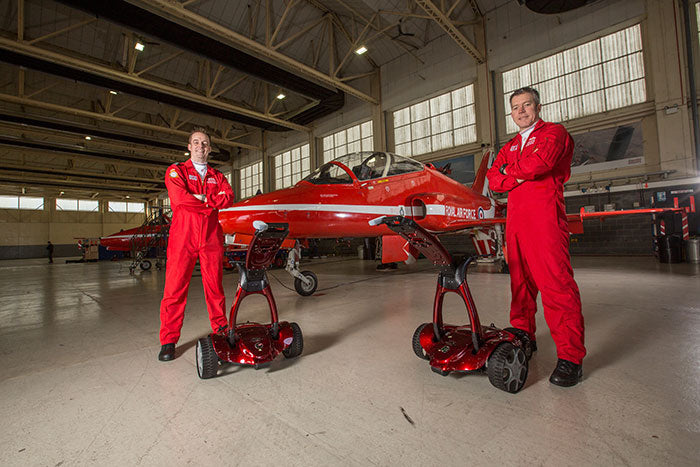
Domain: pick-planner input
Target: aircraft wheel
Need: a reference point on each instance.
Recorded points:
(507, 367)
(207, 360)
(145, 265)
(297, 345)
(417, 348)
(303, 289)
(503, 267)
(528, 346)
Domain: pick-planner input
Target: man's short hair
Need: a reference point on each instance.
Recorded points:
(526, 90)
(198, 129)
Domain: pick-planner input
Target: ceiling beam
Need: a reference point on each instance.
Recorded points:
(21, 54)
(18, 143)
(446, 23)
(79, 173)
(174, 11)
(42, 154)
(35, 180)
(122, 121)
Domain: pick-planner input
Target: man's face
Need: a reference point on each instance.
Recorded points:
(199, 147)
(524, 111)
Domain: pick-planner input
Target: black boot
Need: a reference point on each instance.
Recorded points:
(566, 373)
(529, 345)
(167, 353)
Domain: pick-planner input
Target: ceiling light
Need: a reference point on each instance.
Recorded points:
(362, 49)
(61, 193)
(281, 96)
(187, 153)
(113, 93)
(127, 196)
(88, 138)
(139, 46)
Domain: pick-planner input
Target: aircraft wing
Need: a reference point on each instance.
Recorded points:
(576, 220)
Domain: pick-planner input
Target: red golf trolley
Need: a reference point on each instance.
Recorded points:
(466, 348)
(252, 344)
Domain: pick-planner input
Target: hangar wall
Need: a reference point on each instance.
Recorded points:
(24, 233)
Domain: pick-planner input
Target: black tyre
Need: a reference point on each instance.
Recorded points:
(507, 367)
(417, 348)
(503, 267)
(145, 265)
(297, 345)
(207, 360)
(528, 345)
(303, 289)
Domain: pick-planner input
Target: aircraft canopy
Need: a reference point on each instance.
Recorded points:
(365, 165)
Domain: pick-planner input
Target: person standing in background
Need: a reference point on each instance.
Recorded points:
(49, 249)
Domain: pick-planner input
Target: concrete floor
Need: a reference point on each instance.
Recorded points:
(81, 384)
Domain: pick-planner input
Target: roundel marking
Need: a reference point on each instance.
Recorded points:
(481, 213)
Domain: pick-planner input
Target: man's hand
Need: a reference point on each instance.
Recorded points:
(504, 171)
(202, 198)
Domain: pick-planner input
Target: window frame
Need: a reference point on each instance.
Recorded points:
(454, 124)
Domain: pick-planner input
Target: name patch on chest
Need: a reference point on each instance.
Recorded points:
(211, 180)
(193, 177)
(530, 141)
(514, 147)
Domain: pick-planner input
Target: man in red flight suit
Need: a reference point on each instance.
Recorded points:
(532, 168)
(196, 193)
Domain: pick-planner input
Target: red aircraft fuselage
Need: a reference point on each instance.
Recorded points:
(138, 237)
(341, 197)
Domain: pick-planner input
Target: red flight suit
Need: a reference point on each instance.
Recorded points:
(537, 235)
(195, 232)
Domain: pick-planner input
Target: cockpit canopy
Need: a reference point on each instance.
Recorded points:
(365, 165)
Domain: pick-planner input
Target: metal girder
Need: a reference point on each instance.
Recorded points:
(157, 182)
(93, 185)
(75, 153)
(174, 11)
(15, 50)
(109, 118)
(446, 23)
(39, 154)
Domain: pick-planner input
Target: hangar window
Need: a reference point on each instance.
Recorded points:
(121, 206)
(291, 166)
(67, 204)
(251, 179)
(600, 75)
(697, 17)
(445, 121)
(31, 203)
(354, 139)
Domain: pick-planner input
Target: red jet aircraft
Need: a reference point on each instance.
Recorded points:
(145, 236)
(342, 197)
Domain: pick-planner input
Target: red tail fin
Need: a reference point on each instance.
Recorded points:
(480, 184)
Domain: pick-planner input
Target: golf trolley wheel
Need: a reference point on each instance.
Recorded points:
(528, 346)
(145, 265)
(507, 367)
(297, 346)
(303, 289)
(207, 360)
(417, 348)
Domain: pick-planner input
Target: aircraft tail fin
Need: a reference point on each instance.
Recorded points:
(481, 184)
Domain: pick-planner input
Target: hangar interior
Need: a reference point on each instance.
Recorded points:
(97, 99)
